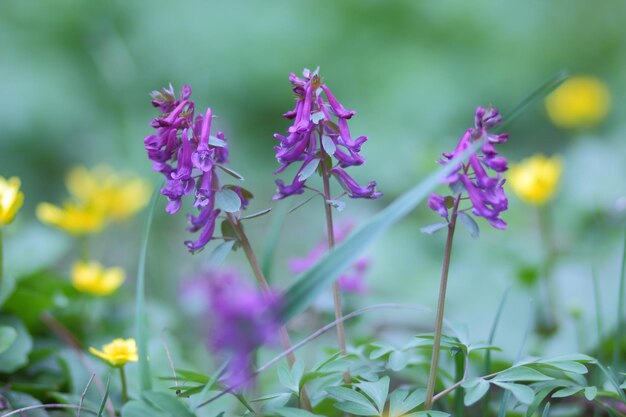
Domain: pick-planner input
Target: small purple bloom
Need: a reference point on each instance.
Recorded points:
(485, 192)
(183, 150)
(243, 319)
(352, 280)
(320, 126)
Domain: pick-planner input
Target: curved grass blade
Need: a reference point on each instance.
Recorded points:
(311, 283)
(269, 247)
(140, 301)
(542, 91)
(105, 398)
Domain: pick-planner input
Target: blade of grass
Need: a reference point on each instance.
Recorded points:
(311, 283)
(539, 93)
(271, 241)
(106, 396)
(620, 310)
(140, 300)
(598, 303)
(492, 335)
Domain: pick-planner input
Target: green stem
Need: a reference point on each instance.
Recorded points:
(620, 310)
(124, 387)
(460, 372)
(432, 376)
(548, 304)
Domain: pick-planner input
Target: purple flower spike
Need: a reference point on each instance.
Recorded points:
(320, 126)
(183, 150)
(243, 320)
(485, 192)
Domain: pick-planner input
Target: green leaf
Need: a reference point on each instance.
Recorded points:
(215, 141)
(474, 390)
(401, 402)
(8, 335)
(357, 409)
(429, 413)
(433, 228)
(136, 408)
(294, 412)
(219, 254)
(6, 289)
(311, 283)
(192, 376)
(522, 393)
(308, 169)
(470, 224)
(521, 373)
(397, 361)
(290, 378)
(145, 378)
(328, 145)
(546, 410)
(567, 392)
(591, 393)
(337, 204)
(352, 401)
(227, 200)
(168, 403)
(105, 397)
(231, 172)
(567, 366)
(15, 356)
(377, 391)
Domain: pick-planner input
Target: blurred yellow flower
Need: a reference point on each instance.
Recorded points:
(118, 352)
(11, 199)
(74, 219)
(98, 195)
(581, 101)
(118, 197)
(535, 179)
(92, 278)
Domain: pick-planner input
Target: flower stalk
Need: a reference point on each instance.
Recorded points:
(432, 376)
(124, 385)
(330, 230)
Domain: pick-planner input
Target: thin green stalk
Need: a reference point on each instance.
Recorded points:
(460, 372)
(124, 387)
(548, 323)
(432, 376)
(492, 335)
(598, 304)
(620, 309)
(330, 230)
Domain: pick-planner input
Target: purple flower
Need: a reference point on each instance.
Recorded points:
(183, 150)
(481, 177)
(242, 318)
(352, 280)
(320, 127)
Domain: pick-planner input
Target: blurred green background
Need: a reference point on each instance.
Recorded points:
(75, 78)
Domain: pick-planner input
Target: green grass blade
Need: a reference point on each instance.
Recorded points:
(492, 335)
(271, 242)
(620, 310)
(542, 91)
(140, 301)
(311, 283)
(105, 398)
(598, 303)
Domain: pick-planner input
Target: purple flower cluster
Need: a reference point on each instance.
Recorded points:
(314, 134)
(243, 319)
(183, 150)
(352, 280)
(485, 192)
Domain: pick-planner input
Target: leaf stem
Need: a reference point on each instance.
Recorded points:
(432, 376)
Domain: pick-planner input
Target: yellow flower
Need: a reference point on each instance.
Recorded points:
(74, 219)
(92, 278)
(118, 352)
(535, 179)
(11, 199)
(118, 197)
(98, 195)
(581, 101)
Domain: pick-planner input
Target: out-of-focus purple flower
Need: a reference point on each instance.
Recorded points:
(320, 126)
(183, 150)
(485, 192)
(352, 280)
(243, 319)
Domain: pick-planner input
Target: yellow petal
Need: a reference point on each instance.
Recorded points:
(581, 101)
